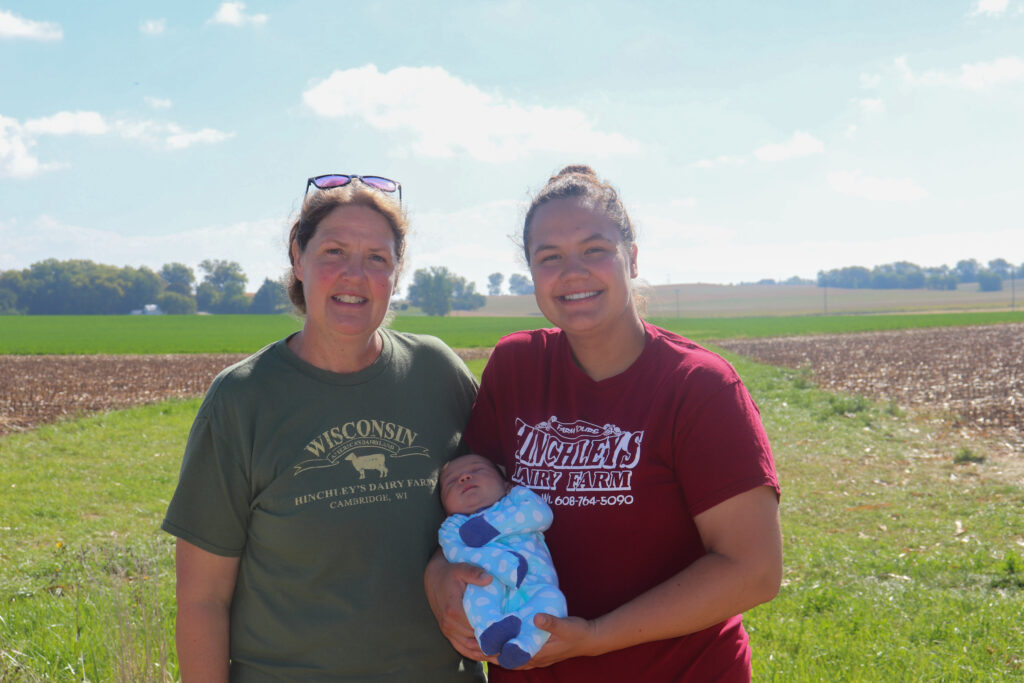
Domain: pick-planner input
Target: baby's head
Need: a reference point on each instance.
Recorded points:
(470, 483)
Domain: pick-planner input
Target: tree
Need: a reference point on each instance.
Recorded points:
(271, 297)
(431, 290)
(223, 287)
(989, 281)
(8, 302)
(494, 281)
(519, 284)
(464, 296)
(967, 270)
(143, 286)
(173, 303)
(1001, 267)
(178, 278)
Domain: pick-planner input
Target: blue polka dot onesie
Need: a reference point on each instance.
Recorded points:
(506, 539)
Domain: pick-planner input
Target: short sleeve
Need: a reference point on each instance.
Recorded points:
(210, 507)
(725, 451)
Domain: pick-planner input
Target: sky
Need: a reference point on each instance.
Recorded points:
(748, 139)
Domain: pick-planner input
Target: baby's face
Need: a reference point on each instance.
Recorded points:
(470, 483)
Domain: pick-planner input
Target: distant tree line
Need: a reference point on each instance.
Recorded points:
(906, 275)
(517, 284)
(54, 287)
(438, 291)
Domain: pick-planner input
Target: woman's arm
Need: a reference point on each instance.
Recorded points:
(206, 583)
(445, 583)
(742, 569)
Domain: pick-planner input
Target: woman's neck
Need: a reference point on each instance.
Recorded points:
(606, 354)
(336, 355)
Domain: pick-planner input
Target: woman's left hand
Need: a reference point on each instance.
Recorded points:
(570, 637)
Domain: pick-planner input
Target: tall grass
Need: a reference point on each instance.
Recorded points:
(901, 563)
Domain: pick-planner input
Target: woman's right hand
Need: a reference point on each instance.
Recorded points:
(445, 583)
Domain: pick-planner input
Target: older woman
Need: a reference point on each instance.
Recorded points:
(649, 450)
(307, 505)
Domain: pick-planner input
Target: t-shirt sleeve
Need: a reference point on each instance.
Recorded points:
(210, 507)
(725, 451)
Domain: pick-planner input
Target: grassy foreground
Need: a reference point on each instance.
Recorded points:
(903, 546)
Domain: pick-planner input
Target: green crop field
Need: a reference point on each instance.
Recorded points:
(247, 333)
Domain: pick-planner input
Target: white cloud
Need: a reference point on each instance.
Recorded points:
(13, 26)
(16, 157)
(856, 184)
(207, 136)
(68, 123)
(719, 161)
(991, 8)
(447, 116)
(871, 105)
(169, 136)
(158, 102)
(800, 145)
(870, 81)
(233, 14)
(978, 76)
(153, 27)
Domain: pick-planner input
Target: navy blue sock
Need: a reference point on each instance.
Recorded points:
(494, 637)
(512, 656)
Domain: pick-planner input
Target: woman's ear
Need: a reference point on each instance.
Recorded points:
(634, 272)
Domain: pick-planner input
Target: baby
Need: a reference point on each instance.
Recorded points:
(499, 527)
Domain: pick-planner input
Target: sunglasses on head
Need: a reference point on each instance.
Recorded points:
(332, 180)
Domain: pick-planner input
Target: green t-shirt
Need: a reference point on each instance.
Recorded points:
(325, 485)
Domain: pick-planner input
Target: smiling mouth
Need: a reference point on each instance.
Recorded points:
(579, 296)
(348, 299)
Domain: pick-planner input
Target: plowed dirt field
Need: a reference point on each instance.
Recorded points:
(973, 375)
(38, 389)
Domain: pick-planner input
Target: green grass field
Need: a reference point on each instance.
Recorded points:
(903, 556)
(247, 333)
(903, 541)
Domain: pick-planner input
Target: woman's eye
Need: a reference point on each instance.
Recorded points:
(548, 258)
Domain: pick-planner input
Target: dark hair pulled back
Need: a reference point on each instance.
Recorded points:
(581, 181)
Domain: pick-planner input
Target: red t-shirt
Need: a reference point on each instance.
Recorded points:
(626, 464)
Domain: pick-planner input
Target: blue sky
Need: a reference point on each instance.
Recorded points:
(749, 140)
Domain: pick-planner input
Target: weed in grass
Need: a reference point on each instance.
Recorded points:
(1010, 573)
(966, 455)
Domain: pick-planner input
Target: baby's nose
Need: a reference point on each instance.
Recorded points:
(464, 477)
